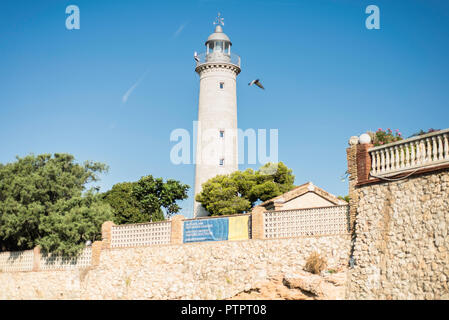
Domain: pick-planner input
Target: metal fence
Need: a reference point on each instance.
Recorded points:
(232, 58)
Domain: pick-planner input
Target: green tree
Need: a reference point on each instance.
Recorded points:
(239, 191)
(126, 208)
(42, 202)
(222, 195)
(142, 201)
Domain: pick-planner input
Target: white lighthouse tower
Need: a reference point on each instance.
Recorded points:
(216, 148)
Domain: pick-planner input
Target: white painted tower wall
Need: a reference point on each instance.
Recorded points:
(217, 112)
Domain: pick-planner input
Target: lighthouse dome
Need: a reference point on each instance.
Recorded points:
(218, 35)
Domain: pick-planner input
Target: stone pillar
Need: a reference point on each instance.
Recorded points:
(106, 233)
(36, 258)
(177, 229)
(363, 162)
(96, 252)
(351, 156)
(359, 167)
(257, 229)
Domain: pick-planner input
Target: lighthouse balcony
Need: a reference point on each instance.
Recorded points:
(216, 57)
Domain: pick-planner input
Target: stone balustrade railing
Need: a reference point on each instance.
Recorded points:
(424, 151)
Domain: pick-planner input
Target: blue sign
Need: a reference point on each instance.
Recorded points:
(206, 230)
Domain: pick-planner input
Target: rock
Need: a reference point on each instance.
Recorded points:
(298, 286)
(308, 283)
(338, 279)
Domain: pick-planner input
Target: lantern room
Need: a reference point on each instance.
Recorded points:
(218, 46)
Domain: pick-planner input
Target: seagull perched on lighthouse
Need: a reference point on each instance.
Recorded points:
(257, 83)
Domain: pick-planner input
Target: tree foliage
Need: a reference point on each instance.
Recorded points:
(142, 201)
(345, 198)
(42, 203)
(239, 191)
(126, 208)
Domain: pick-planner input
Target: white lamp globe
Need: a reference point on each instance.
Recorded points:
(353, 140)
(364, 138)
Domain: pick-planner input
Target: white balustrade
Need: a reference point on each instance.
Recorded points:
(425, 151)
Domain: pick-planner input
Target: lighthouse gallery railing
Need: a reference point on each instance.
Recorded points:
(232, 58)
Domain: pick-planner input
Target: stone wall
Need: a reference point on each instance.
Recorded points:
(206, 270)
(401, 237)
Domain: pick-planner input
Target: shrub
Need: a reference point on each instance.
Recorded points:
(345, 198)
(381, 137)
(421, 132)
(315, 263)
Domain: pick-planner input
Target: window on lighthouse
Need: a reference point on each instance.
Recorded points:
(221, 134)
(218, 46)
(221, 85)
(221, 162)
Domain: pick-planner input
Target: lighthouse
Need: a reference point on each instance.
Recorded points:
(217, 144)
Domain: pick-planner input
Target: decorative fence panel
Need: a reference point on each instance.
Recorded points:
(55, 262)
(306, 222)
(423, 151)
(142, 234)
(16, 261)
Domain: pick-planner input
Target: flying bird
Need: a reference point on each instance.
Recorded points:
(257, 83)
(195, 56)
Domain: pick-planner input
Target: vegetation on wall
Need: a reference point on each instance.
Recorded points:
(142, 201)
(345, 198)
(421, 132)
(381, 137)
(315, 263)
(44, 201)
(239, 191)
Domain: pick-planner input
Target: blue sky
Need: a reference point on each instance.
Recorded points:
(326, 77)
